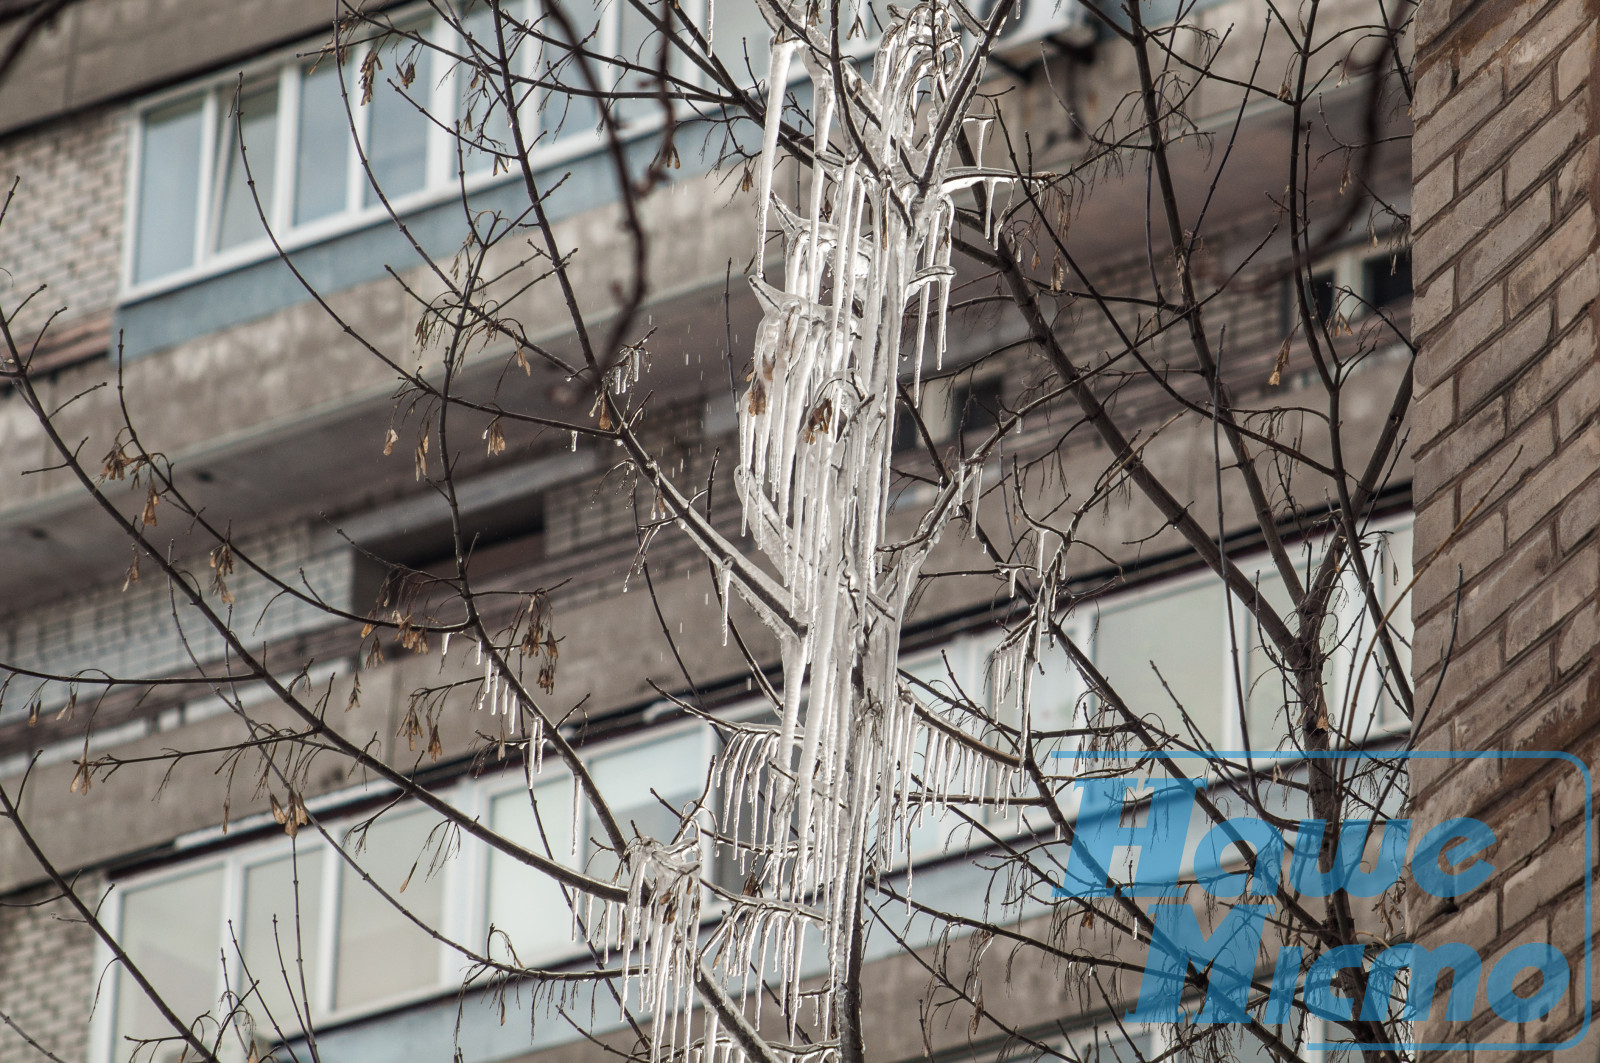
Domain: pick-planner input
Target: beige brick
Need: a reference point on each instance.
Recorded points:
(1576, 62)
(1578, 402)
(1580, 515)
(1502, 359)
(1434, 412)
(1545, 378)
(1468, 789)
(1501, 471)
(1460, 337)
(1543, 38)
(1457, 226)
(1581, 634)
(1435, 519)
(1466, 106)
(1578, 291)
(1469, 669)
(1487, 148)
(1504, 583)
(1556, 723)
(1455, 452)
(1433, 302)
(1573, 240)
(1572, 786)
(1510, 234)
(1549, 488)
(1549, 607)
(1431, 87)
(1547, 147)
(1499, 713)
(1432, 192)
(1431, 639)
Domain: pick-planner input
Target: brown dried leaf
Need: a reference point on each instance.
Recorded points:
(370, 65)
(1279, 366)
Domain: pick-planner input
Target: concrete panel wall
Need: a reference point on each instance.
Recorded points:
(103, 50)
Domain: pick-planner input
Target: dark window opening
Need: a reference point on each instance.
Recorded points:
(907, 437)
(495, 538)
(1386, 279)
(978, 409)
(1322, 294)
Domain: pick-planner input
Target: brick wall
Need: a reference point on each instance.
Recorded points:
(64, 228)
(131, 632)
(47, 975)
(1508, 467)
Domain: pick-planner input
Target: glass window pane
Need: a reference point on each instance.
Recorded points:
(741, 38)
(1396, 578)
(279, 936)
(1053, 694)
(172, 932)
(673, 767)
(397, 129)
(322, 156)
(1266, 692)
(381, 953)
(638, 43)
(480, 112)
(564, 115)
(525, 905)
(238, 221)
(169, 190)
(1181, 633)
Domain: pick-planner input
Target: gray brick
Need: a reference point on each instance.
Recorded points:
(1557, 253)
(1511, 233)
(1552, 485)
(1499, 362)
(1465, 108)
(1524, 111)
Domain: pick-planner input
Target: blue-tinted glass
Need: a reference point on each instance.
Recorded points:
(238, 221)
(322, 159)
(480, 110)
(397, 130)
(741, 38)
(564, 115)
(169, 190)
(639, 44)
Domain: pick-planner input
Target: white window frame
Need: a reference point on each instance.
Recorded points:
(465, 887)
(441, 184)
(1347, 265)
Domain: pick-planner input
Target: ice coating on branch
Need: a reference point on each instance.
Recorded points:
(816, 805)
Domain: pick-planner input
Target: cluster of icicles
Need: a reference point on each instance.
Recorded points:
(816, 806)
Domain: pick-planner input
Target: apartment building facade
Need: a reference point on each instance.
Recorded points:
(134, 207)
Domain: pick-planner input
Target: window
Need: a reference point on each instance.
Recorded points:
(379, 953)
(979, 410)
(647, 784)
(267, 920)
(1352, 284)
(289, 130)
(172, 930)
(1163, 653)
(282, 927)
(1386, 279)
